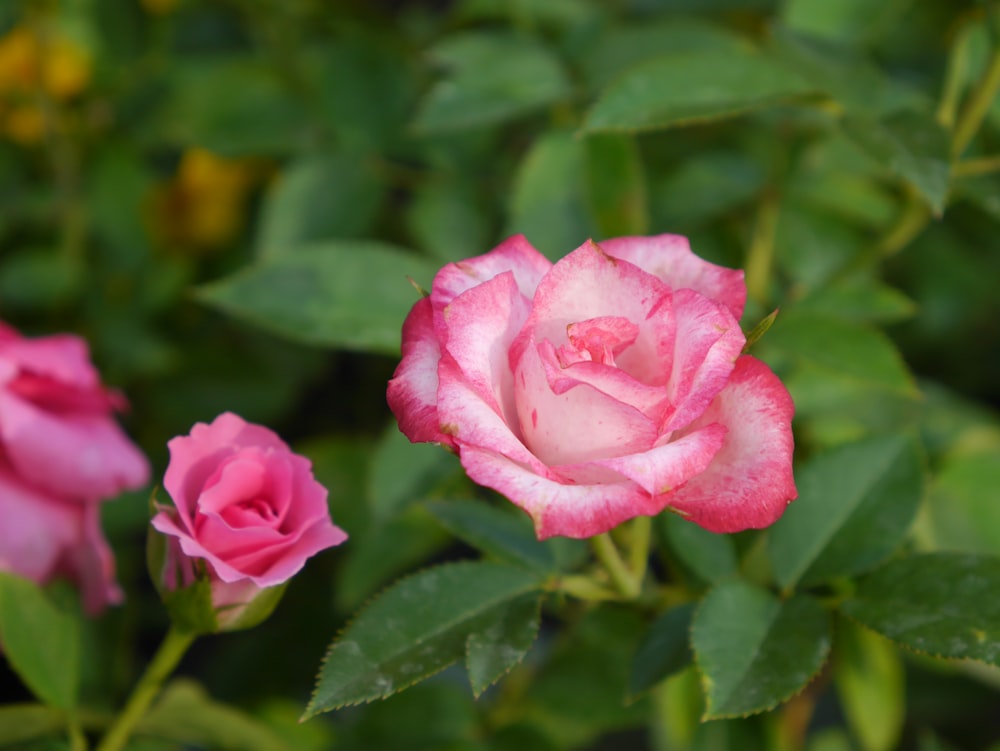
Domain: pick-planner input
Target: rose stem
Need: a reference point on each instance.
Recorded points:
(638, 553)
(174, 645)
(976, 106)
(607, 553)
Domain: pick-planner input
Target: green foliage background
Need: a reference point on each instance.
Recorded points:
(845, 153)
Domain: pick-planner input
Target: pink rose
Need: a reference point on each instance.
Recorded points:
(606, 386)
(57, 425)
(45, 537)
(61, 455)
(245, 505)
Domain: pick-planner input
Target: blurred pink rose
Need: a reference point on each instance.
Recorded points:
(45, 536)
(607, 386)
(57, 425)
(244, 504)
(61, 454)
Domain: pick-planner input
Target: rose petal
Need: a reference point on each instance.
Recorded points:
(514, 254)
(412, 392)
(556, 508)
(750, 482)
(578, 425)
(290, 557)
(482, 323)
(708, 342)
(589, 284)
(92, 564)
(669, 257)
(194, 457)
(84, 456)
(62, 357)
(472, 421)
(664, 468)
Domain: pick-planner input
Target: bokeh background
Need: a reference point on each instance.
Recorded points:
(162, 161)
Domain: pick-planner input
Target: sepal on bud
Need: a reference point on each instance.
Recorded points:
(195, 598)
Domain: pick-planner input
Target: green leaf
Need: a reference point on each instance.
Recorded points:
(493, 77)
(24, 722)
(761, 328)
(663, 651)
(186, 714)
(616, 185)
(381, 552)
(39, 279)
(869, 679)
(623, 46)
(494, 651)
(855, 504)
(414, 629)
(711, 556)
(859, 85)
(699, 190)
(755, 651)
(861, 352)
(402, 472)
(964, 503)
(41, 640)
(507, 536)
(943, 604)
(860, 299)
(231, 106)
(447, 221)
(912, 146)
(318, 198)
(548, 204)
(692, 87)
(350, 294)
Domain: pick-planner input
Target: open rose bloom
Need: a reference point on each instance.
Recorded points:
(603, 387)
(61, 454)
(246, 509)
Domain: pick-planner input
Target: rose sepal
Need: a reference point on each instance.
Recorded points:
(202, 604)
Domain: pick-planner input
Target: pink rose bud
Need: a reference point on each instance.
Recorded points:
(603, 387)
(247, 514)
(61, 455)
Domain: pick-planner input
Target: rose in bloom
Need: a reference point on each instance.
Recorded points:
(61, 454)
(246, 506)
(606, 386)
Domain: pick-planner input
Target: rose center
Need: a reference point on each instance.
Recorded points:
(258, 507)
(597, 340)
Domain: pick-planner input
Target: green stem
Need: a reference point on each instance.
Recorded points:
(609, 556)
(975, 167)
(74, 733)
(976, 106)
(641, 529)
(174, 645)
(911, 222)
(760, 257)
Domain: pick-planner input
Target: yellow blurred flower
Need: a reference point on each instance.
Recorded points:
(204, 206)
(53, 62)
(24, 124)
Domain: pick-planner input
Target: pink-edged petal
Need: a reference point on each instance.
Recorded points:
(515, 254)
(482, 323)
(472, 421)
(412, 392)
(556, 508)
(578, 425)
(664, 468)
(609, 380)
(589, 284)
(85, 456)
(709, 341)
(669, 257)
(749, 483)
